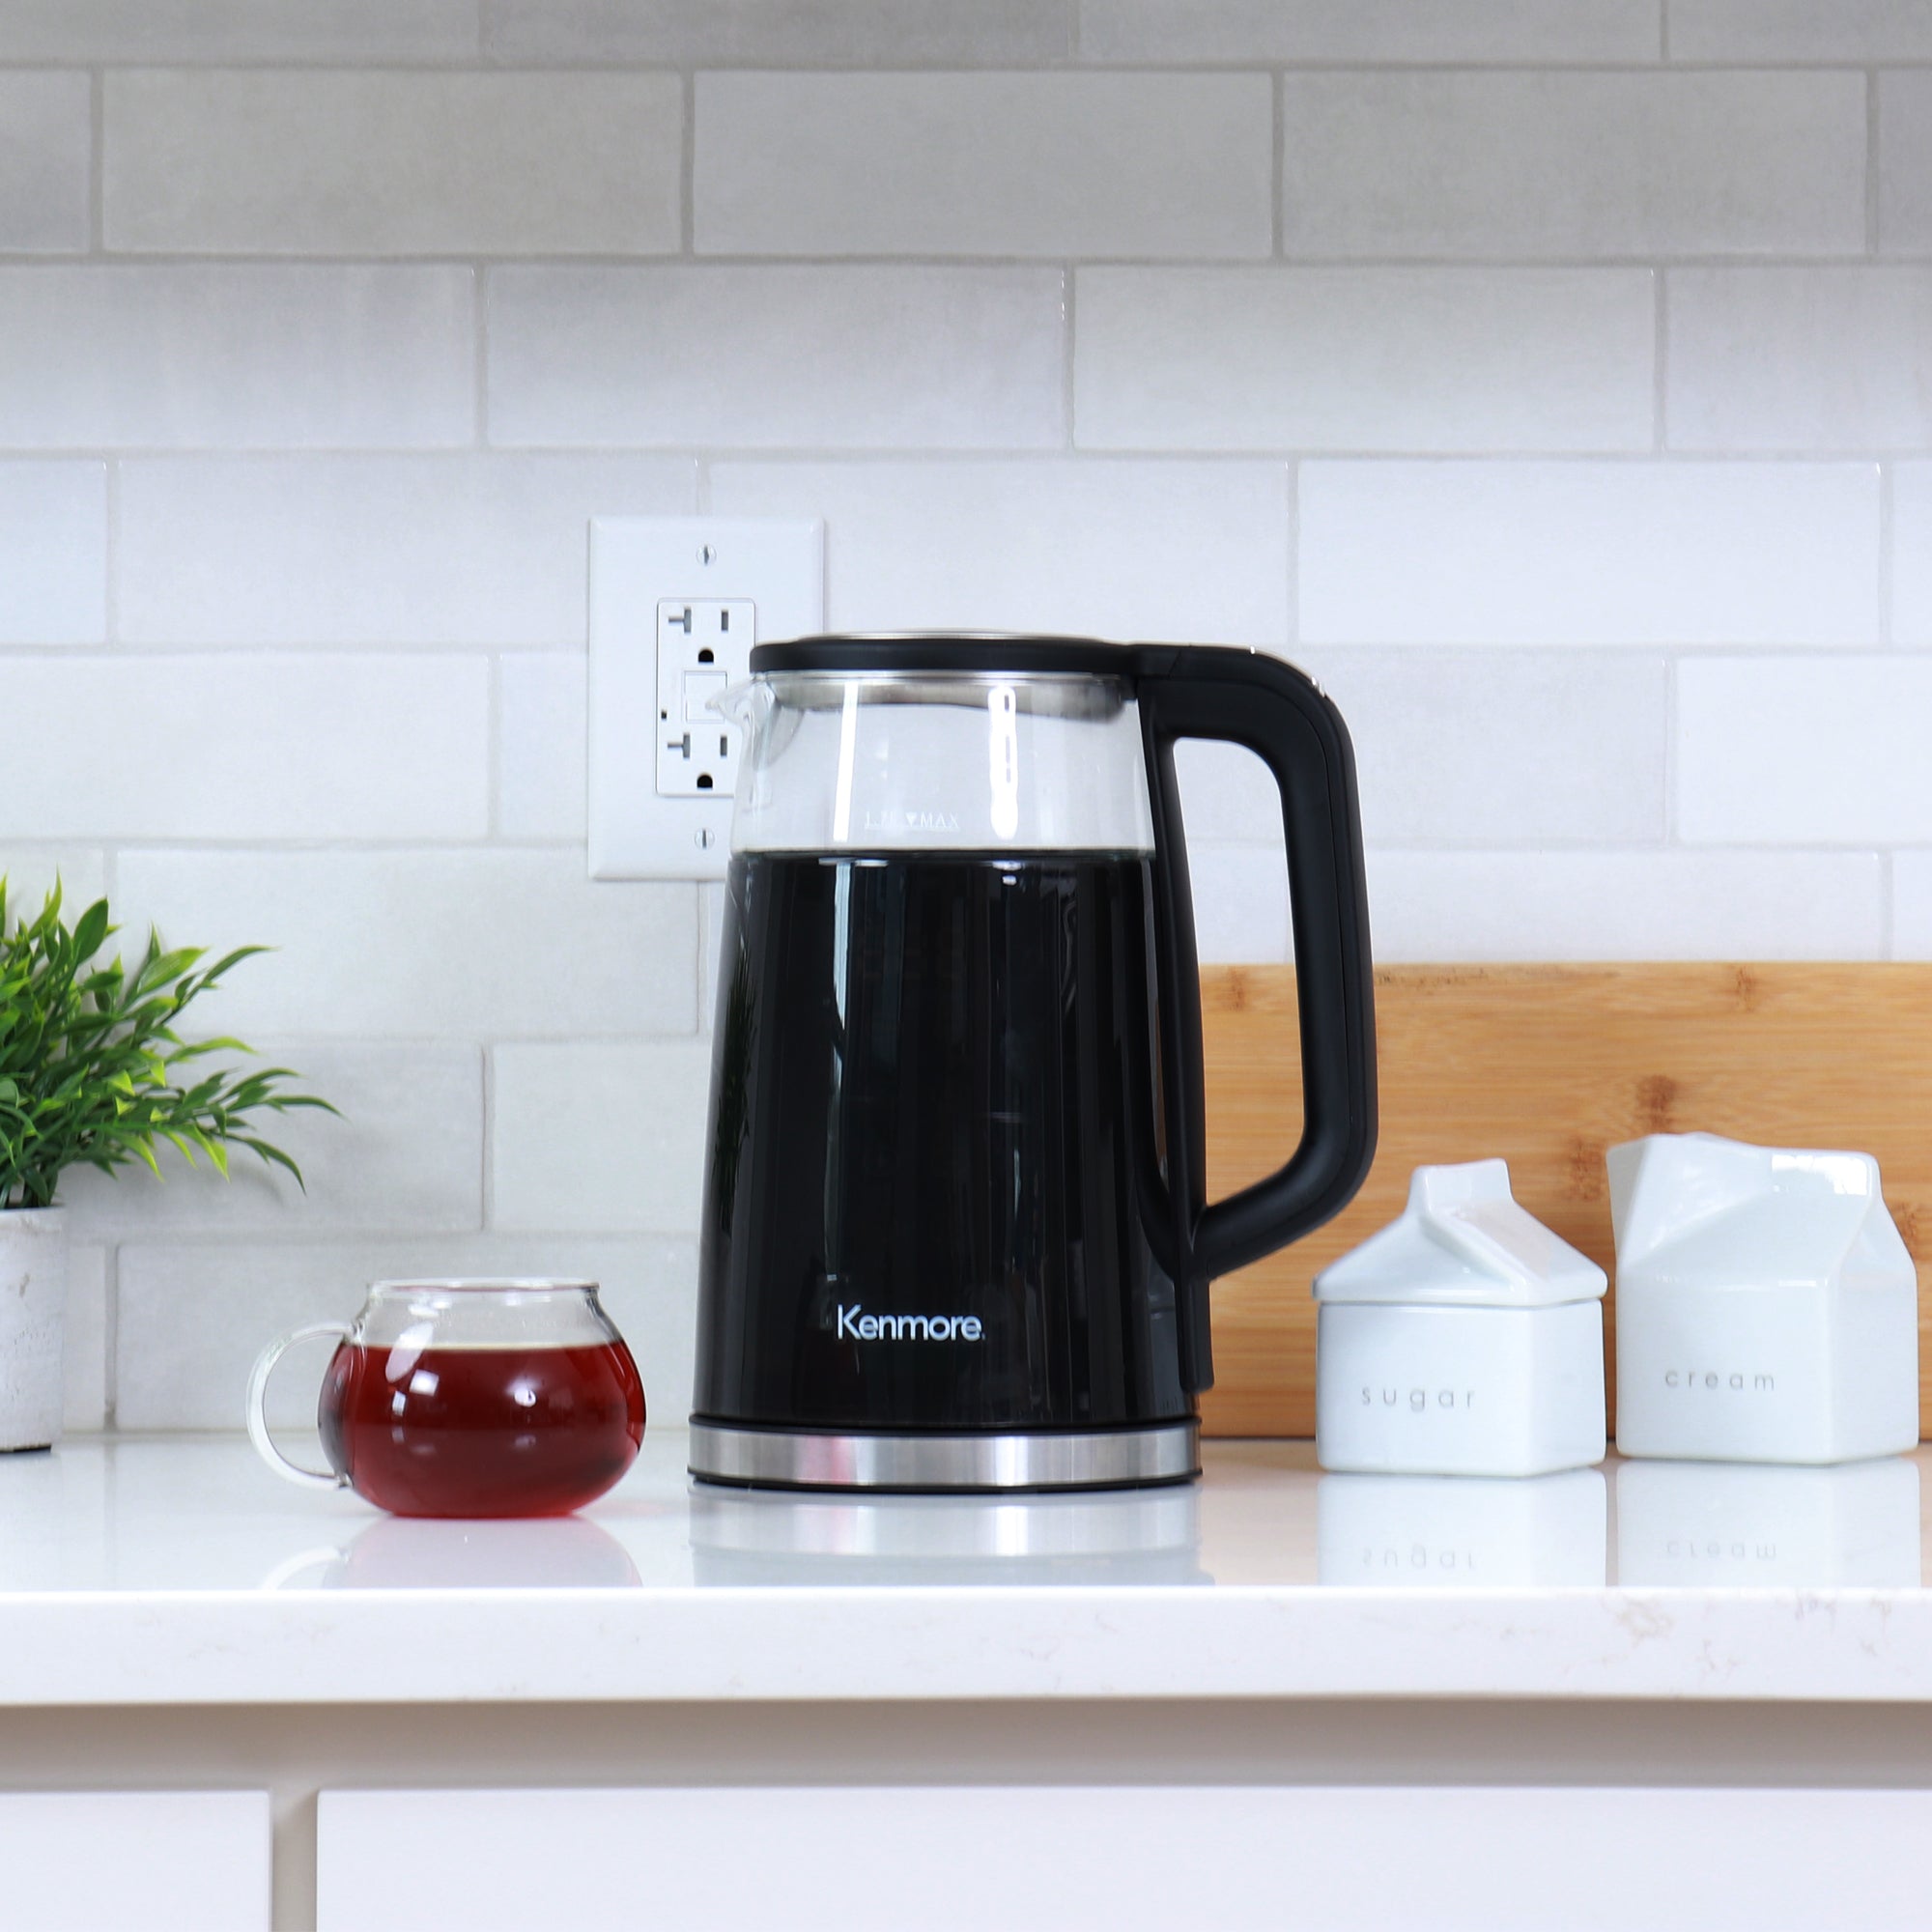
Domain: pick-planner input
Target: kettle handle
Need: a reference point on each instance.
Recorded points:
(1254, 700)
(258, 1407)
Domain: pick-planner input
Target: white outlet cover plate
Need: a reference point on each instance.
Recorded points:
(775, 565)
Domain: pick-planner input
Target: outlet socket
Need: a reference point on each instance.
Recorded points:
(676, 604)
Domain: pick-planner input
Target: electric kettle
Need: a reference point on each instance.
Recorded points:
(955, 1232)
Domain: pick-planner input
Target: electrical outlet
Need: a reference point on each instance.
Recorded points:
(676, 604)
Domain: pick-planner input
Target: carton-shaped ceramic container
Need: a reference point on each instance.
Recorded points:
(1767, 1309)
(1463, 1339)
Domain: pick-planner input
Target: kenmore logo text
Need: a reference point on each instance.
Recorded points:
(859, 1326)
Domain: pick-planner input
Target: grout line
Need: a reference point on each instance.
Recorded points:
(1278, 162)
(479, 294)
(96, 161)
(110, 557)
(686, 169)
(1661, 364)
(1293, 554)
(1069, 426)
(110, 1339)
(1887, 554)
(1873, 209)
(1672, 838)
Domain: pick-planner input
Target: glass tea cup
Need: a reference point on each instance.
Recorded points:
(469, 1398)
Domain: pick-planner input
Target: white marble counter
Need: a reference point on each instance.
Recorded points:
(175, 1570)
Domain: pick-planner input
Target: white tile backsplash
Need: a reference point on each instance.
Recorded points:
(53, 553)
(541, 746)
(305, 163)
(456, 549)
(1399, 359)
(1514, 164)
(223, 355)
(900, 164)
(1799, 359)
(240, 30)
(1805, 751)
(743, 357)
(84, 1340)
(461, 944)
(1460, 553)
(1801, 30)
(1912, 553)
(1187, 551)
(599, 1134)
(46, 162)
(1905, 160)
(406, 1152)
(267, 747)
(827, 33)
(1388, 32)
(1551, 378)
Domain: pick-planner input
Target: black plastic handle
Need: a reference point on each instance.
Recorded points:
(1248, 698)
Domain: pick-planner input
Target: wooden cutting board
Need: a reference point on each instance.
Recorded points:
(1548, 1066)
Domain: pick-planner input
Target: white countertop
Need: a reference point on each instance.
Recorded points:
(178, 1570)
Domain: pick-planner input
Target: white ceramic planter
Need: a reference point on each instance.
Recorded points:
(33, 1310)
(1463, 1339)
(1767, 1309)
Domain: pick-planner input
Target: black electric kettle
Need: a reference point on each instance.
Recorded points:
(955, 1234)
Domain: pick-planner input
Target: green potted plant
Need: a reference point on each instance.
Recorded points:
(93, 1073)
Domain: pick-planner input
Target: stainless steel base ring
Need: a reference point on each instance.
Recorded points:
(784, 1459)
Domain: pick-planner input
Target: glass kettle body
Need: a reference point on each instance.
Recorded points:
(954, 1230)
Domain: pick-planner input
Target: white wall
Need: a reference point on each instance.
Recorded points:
(1553, 378)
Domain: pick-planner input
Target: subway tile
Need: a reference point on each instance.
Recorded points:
(407, 1151)
(1905, 160)
(831, 33)
(599, 1135)
(193, 1316)
(1911, 905)
(1803, 751)
(371, 550)
(1383, 32)
(765, 358)
(1625, 905)
(245, 747)
(1796, 30)
(193, 30)
(46, 150)
(53, 553)
(427, 943)
(1467, 748)
(1187, 551)
(1800, 358)
(1408, 359)
(30, 872)
(336, 162)
(901, 164)
(237, 356)
(1503, 748)
(1572, 164)
(1912, 553)
(84, 1340)
(1442, 907)
(541, 784)
(1589, 553)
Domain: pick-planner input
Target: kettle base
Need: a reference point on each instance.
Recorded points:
(805, 1458)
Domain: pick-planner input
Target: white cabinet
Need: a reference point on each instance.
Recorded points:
(1058, 1860)
(134, 1861)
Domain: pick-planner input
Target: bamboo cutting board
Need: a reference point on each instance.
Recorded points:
(1548, 1066)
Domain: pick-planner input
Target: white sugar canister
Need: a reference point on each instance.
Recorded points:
(1465, 1339)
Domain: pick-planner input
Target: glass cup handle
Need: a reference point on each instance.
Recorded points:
(258, 1396)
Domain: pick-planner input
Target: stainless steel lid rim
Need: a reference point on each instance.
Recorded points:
(984, 1461)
